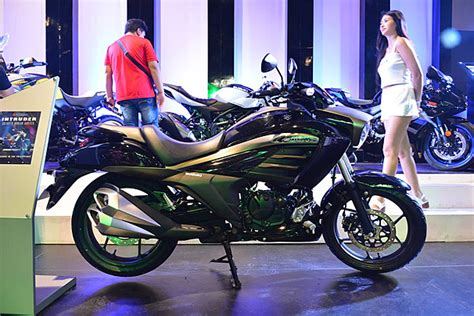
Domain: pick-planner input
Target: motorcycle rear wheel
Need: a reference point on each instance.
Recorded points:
(102, 254)
(401, 233)
(110, 120)
(458, 156)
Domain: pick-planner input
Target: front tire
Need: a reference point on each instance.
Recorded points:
(401, 232)
(456, 154)
(119, 260)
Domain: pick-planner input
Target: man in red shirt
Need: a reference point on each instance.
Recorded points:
(134, 90)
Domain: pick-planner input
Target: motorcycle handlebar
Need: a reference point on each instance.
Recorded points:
(265, 93)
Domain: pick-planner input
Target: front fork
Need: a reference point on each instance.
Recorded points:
(360, 203)
(437, 127)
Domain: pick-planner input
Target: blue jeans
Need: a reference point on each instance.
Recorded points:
(146, 107)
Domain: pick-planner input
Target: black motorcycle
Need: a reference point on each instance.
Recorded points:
(211, 116)
(70, 113)
(253, 181)
(208, 117)
(446, 140)
(442, 138)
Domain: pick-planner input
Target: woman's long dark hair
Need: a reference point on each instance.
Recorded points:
(400, 28)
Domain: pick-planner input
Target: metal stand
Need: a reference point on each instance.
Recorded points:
(227, 258)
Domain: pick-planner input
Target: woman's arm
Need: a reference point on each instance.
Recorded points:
(408, 55)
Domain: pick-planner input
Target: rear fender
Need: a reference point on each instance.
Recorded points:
(63, 180)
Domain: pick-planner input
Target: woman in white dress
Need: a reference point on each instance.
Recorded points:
(402, 84)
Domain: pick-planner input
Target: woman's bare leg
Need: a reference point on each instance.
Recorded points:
(408, 166)
(395, 129)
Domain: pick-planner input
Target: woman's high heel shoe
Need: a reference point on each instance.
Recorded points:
(423, 201)
(377, 205)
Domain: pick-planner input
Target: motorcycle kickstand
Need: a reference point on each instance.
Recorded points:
(227, 258)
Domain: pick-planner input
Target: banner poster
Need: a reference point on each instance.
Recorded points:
(17, 136)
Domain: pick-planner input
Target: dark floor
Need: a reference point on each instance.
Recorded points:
(303, 279)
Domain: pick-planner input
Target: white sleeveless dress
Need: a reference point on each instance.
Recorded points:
(398, 95)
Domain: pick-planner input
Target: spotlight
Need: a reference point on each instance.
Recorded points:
(450, 38)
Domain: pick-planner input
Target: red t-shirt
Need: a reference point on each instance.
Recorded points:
(131, 82)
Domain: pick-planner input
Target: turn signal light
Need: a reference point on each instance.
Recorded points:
(448, 133)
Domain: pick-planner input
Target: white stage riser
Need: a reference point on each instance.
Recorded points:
(443, 226)
(450, 218)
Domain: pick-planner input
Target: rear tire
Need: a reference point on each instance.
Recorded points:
(110, 120)
(85, 236)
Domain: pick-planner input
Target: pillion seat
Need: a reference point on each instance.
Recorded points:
(82, 101)
(172, 152)
(360, 102)
(181, 90)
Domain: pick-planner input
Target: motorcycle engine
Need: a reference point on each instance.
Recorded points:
(264, 209)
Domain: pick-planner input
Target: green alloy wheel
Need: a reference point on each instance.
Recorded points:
(125, 256)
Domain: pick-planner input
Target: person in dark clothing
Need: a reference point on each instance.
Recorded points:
(5, 86)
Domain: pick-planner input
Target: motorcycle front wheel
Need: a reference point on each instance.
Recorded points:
(117, 255)
(400, 232)
(456, 154)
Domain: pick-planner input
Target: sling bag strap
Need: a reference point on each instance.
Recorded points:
(140, 66)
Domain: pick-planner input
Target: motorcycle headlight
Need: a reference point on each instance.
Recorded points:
(363, 135)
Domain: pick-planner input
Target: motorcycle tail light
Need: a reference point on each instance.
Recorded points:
(432, 103)
(84, 142)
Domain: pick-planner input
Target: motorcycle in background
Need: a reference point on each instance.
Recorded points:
(444, 137)
(440, 135)
(70, 113)
(208, 117)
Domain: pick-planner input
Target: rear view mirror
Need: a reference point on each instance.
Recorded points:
(4, 41)
(269, 63)
(292, 67)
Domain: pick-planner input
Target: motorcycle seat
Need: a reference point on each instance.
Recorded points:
(180, 89)
(372, 110)
(82, 101)
(360, 102)
(172, 152)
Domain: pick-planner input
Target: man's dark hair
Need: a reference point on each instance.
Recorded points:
(134, 24)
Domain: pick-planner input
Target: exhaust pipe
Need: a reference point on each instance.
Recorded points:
(117, 213)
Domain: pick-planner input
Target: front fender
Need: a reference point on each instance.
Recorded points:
(366, 181)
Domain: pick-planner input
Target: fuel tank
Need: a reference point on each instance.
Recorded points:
(278, 146)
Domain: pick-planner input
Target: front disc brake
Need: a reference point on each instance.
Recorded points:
(383, 236)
